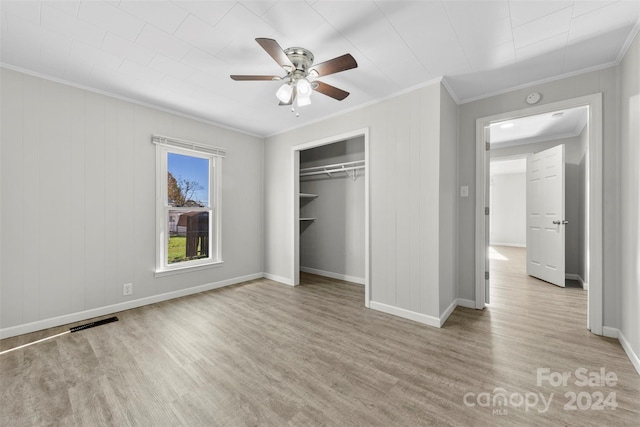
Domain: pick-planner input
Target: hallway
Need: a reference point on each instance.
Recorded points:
(513, 289)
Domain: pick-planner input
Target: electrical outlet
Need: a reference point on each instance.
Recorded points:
(127, 289)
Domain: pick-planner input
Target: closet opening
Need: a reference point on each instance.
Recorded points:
(331, 209)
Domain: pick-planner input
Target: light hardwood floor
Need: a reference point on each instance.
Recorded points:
(262, 353)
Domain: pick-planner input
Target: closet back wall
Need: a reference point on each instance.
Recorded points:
(333, 244)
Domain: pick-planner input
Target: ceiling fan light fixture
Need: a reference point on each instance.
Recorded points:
(303, 88)
(284, 92)
(303, 100)
(301, 73)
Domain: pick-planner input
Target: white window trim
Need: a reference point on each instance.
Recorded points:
(166, 145)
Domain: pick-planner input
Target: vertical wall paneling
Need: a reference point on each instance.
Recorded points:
(402, 205)
(30, 195)
(414, 186)
(448, 196)
(378, 169)
(54, 179)
(113, 290)
(429, 194)
(12, 219)
(125, 208)
(144, 174)
(77, 203)
(79, 170)
(390, 188)
(94, 195)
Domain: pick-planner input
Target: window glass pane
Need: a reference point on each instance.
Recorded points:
(188, 181)
(188, 236)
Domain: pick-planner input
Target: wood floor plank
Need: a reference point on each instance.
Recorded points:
(261, 353)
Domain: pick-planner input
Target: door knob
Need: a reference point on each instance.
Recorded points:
(558, 222)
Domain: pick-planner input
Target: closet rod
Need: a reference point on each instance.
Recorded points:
(337, 166)
(336, 170)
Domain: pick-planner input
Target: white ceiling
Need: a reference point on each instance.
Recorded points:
(540, 127)
(179, 55)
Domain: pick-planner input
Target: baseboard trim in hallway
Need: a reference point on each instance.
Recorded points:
(626, 345)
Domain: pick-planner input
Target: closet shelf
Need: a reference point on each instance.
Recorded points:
(308, 196)
(308, 219)
(349, 168)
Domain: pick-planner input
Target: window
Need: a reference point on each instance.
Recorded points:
(188, 204)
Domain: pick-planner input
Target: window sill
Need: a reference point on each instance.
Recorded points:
(187, 269)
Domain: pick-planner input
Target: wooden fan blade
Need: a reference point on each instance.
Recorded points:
(332, 91)
(245, 78)
(275, 51)
(335, 65)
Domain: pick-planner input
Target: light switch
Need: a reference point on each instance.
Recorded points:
(464, 191)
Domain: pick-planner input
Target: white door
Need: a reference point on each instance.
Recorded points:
(545, 215)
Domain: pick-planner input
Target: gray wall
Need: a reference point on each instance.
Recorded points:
(78, 175)
(604, 81)
(508, 217)
(334, 243)
(404, 165)
(448, 199)
(630, 189)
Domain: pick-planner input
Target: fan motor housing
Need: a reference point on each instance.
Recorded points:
(300, 57)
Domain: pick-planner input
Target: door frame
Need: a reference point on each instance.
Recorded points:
(595, 245)
(295, 161)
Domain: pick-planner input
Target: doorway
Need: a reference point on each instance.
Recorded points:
(359, 170)
(593, 191)
(534, 209)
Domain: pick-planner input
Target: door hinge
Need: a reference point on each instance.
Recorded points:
(486, 210)
(486, 275)
(487, 146)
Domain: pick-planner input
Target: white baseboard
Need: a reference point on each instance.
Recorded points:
(346, 278)
(513, 245)
(576, 277)
(406, 314)
(466, 303)
(423, 318)
(114, 308)
(278, 279)
(445, 314)
(631, 354)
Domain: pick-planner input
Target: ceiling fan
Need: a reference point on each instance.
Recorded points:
(298, 64)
